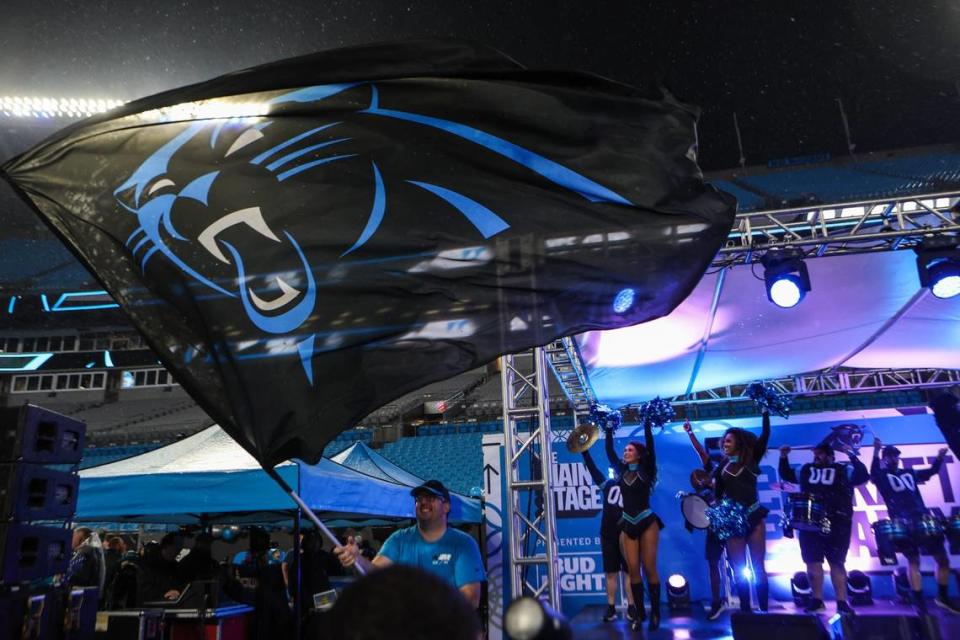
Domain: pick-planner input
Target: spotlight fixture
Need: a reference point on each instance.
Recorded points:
(678, 593)
(861, 591)
(938, 264)
(800, 589)
(785, 276)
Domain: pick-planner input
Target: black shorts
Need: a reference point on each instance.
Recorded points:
(913, 551)
(713, 548)
(610, 554)
(815, 546)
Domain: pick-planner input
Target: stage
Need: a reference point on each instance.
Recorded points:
(588, 625)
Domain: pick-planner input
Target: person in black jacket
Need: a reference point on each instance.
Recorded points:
(199, 563)
(833, 483)
(900, 488)
(157, 578)
(736, 480)
(610, 552)
(639, 525)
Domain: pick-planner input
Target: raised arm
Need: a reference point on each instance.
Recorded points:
(761, 447)
(648, 440)
(611, 452)
(787, 473)
(875, 465)
(704, 456)
(598, 478)
(858, 473)
(925, 474)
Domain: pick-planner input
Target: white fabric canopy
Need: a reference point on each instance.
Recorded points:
(865, 310)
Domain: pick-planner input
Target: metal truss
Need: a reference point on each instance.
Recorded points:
(851, 227)
(563, 355)
(833, 382)
(528, 504)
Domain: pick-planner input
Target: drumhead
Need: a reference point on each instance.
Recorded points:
(694, 510)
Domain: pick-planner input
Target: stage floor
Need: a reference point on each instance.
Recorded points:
(588, 624)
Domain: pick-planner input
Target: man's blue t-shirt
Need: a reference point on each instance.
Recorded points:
(455, 557)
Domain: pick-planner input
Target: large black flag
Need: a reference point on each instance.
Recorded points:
(303, 242)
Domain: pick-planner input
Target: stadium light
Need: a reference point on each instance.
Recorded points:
(785, 276)
(938, 265)
(678, 593)
(38, 107)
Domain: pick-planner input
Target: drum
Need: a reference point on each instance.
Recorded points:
(928, 529)
(892, 534)
(953, 528)
(953, 533)
(805, 512)
(694, 509)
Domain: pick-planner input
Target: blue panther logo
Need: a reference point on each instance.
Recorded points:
(181, 217)
(846, 438)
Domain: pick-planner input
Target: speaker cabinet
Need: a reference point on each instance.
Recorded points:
(32, 434)
(33, 492)
(28, 552)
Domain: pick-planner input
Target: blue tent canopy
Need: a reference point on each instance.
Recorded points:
(362, 458)
(208, 475)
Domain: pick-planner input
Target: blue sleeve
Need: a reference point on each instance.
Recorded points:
(469, 567)
(391, 548)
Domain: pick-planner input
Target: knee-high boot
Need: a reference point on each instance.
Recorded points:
(743, 592)
(654, 589)
(637, 589)
(763, 595)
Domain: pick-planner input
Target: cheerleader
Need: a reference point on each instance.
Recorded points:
(639, 525)
(736, 487)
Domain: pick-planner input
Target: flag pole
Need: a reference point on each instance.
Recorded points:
(310, 514)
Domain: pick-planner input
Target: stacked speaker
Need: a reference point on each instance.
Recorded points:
(39, 455)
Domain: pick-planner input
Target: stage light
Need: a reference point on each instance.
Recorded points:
(747, 574)
(800, 589)
(938, 265)
(785, 276)
(861, 591)
(529, 619)
(624, 301)
(678, 593)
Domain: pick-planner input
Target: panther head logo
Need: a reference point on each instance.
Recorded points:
(199, 196)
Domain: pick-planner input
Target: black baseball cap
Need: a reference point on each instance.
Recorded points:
(890, 450)
(433, 487)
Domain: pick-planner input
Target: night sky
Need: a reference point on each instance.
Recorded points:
(896, 65)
